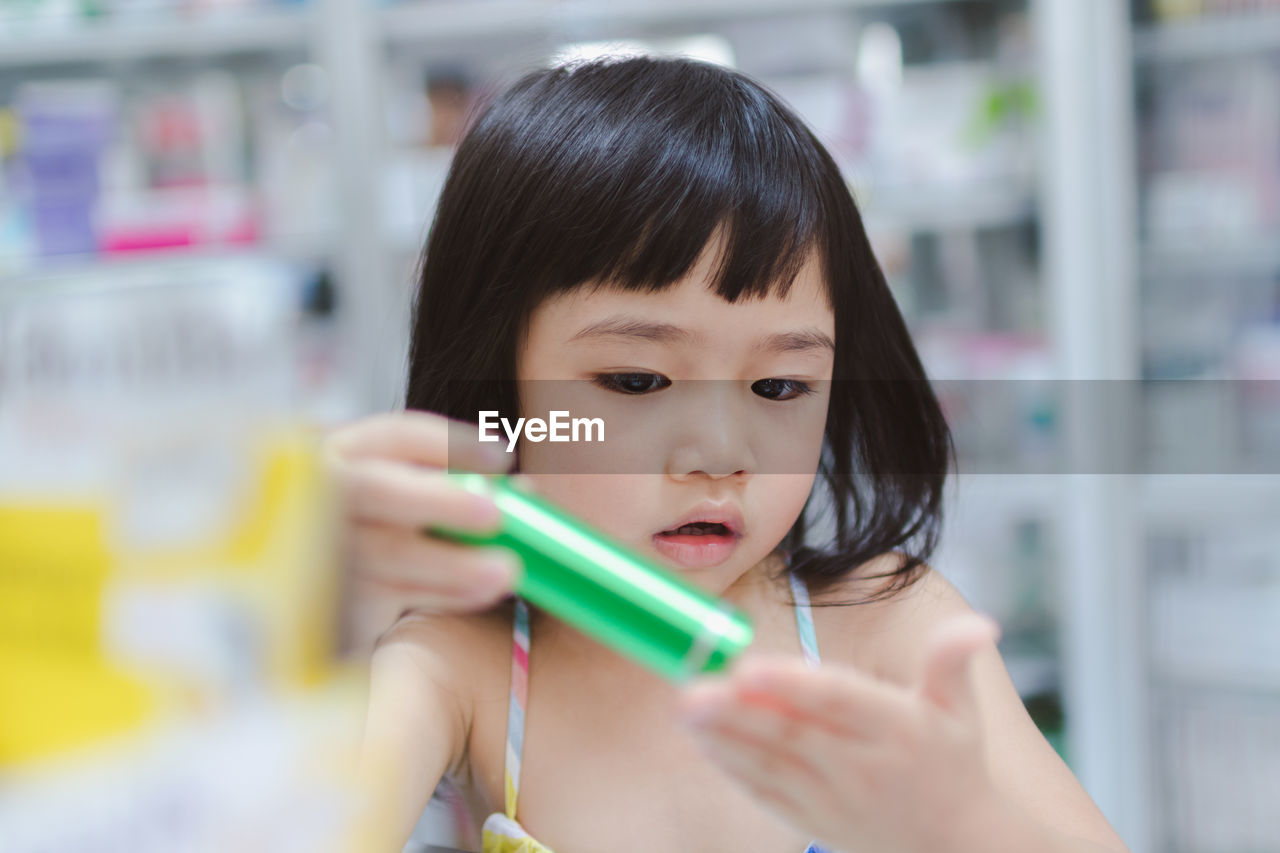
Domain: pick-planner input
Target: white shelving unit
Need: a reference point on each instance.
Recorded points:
(1089, 231)
(1227, 35)
(447, 20)
(253, 31)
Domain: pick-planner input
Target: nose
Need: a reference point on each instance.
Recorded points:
(713, 439)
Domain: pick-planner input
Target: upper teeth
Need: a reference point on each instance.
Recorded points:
(696, 529)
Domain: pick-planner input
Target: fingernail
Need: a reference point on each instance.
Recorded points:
(702, 703)
(698, 715)
(500, 569)
(753, 676)
(494, 456)
(485, 511)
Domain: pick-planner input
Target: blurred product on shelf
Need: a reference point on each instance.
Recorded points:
(941, 126)
(1214, 595)
(1215, 654)
(46, 16)
(1211, 153)
(1172, 10)
(64, 128)
(1216, 758)
(424, 123)
(168, 591)
(1209, 161)
(138, 163)
(1000, 398)
(1198, 322)
(449, 96)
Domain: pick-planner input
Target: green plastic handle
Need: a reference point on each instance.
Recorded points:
(625, 601)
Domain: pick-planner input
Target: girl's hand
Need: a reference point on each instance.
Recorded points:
(858, 762)
(389, 470)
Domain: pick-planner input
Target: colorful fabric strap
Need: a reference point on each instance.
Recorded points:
(502, 833)
(518, 702)
(804, 621)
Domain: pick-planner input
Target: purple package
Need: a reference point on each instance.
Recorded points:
(65, 129)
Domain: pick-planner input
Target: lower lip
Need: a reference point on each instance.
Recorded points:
(696, 552)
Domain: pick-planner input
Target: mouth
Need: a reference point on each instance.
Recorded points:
(699, 528)
(704, 538)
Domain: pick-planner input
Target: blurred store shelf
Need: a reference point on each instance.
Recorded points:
(1214, 750)
(314, 123)
(1197, 256)
(1221, 685)
(992, 204)
(1209, 37)
(1174, 499)
(253, 31)
(1033, 675)
(999, 497)
(445, 20)
(303, 252)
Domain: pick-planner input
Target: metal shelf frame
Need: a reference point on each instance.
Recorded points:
(249, 32)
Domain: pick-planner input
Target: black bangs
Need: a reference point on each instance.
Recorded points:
(622, 172)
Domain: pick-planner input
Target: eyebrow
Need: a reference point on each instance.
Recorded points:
(627, 327)
(802, 340)
(805, 340)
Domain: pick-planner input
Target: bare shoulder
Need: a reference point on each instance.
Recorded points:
(463, 640)
(447, 662)
(885, 628)
(891, 637)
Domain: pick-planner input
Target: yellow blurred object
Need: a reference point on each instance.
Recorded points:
(168, 580)
(1172, 10)
(9, 133)
(98, 636)
(59, 689)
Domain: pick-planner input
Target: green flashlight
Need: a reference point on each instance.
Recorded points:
(633, 605)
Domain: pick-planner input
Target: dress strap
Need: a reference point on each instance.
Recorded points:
(808, 639)
(804, 619)
(516, 706)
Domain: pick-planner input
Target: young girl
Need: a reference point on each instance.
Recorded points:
(664, 245)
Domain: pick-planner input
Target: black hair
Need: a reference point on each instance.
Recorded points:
(623, 171)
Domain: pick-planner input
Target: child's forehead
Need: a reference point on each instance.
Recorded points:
(687, 311)
(694, 292)
(691, 299)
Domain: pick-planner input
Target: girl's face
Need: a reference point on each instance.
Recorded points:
(712, 413)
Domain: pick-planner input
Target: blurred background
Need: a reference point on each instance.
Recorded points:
(210, 216)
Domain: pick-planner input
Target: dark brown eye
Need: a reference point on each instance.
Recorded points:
(781, 389)
(632, 383)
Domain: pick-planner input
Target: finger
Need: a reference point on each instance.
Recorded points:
(840, 698)
(421, 437)
(403, 562)
(391, 493)
(767, 721)
(947, 681)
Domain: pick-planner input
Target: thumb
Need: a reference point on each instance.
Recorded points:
(952, 647)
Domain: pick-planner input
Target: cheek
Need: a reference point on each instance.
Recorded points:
(611, 503)
(788, 440)
(779, 499)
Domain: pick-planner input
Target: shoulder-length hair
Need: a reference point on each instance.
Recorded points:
(623, 171)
